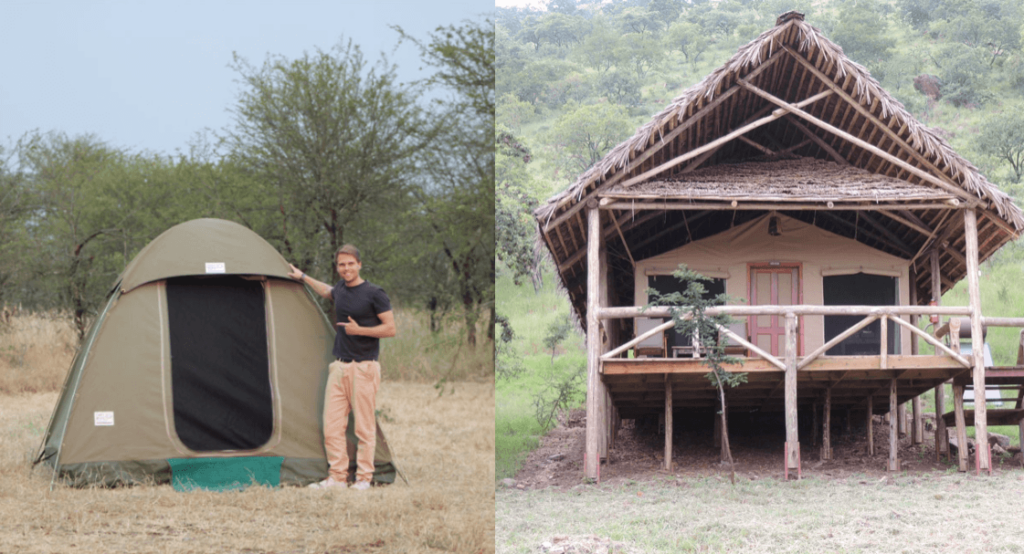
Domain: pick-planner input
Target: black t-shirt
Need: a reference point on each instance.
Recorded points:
(362, 302)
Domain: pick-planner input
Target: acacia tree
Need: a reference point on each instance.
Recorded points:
(456, 186)
(1003, 138)
(92, 209)
(334, 138)
(14, 207)
(689, 313)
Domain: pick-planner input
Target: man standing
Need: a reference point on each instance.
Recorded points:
(363, 312)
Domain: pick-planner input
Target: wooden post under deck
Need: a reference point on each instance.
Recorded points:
(901, 419)
(792, 432)
(894, 462)
(917, 430)
(871, 430)
(595, 388)
(668, 422)
(941, 436)
(977, 340)
(826, 427)
(958, 400)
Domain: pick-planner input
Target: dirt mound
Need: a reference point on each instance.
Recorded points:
(638, 455)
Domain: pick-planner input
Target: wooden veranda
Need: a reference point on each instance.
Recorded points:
(789, 132)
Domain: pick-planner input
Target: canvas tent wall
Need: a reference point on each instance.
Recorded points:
(206, 366)
(817, 253)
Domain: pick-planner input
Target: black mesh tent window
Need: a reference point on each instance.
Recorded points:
(859, 289)
(220, 373)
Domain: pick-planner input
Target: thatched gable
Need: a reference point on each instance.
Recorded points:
(754, 132)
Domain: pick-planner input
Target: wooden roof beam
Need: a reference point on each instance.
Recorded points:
(794, 109)
(885, 128)
(667, 138)
(723, 139)
(817, 140)
(901, 217)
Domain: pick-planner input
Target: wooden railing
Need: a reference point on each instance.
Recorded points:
(882, 313)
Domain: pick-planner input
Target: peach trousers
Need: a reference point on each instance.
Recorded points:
(351, 386)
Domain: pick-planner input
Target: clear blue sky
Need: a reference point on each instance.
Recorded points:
(147, 76)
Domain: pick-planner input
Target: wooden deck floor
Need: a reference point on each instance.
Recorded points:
(637, 386)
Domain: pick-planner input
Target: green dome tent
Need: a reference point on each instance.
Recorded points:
(205, 369)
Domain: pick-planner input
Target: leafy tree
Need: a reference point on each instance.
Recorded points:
(689, 313)
(640, 21)
(566, 7)
(457, 189)
(598, 48)
(1003, 138)
(334, 138)
(513, 112)
(861, 31)
(561, 30)
(92, 210)
(513, 211)
(585, 134)
(640, 53)
(557, 332)
(964, 73)
(667, 10)
(508, 364)
(688, 38)
(620, 87)
(14, 208)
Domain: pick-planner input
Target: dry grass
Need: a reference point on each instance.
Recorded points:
(416, 354)
(36, 351)
(930, 513)
(444, 445)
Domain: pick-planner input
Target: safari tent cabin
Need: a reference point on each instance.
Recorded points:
(807, 193)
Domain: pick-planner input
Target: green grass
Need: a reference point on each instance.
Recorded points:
(899, 513)
(516, 428)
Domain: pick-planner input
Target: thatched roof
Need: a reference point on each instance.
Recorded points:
(790, 93)
(793, 180)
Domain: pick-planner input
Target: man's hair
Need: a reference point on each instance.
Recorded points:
(349, 249)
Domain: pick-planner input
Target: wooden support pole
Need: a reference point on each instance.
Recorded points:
(1020, 432)
(792, 432)
(814, 423)
(941, 436)
(977, 339)
(871, 429)
(894, 462)
(826, 427)
(901, 419)
(917, 428)
(961, 426)
(595, 397)
(958, 400)
(668, 422)
(883, 345)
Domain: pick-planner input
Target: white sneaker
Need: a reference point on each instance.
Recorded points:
(361, 485)
(329, 483)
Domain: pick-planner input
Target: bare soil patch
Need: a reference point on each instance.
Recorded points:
(638, 455)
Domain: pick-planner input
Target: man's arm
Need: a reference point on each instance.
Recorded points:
(386, 329)
(319, 287)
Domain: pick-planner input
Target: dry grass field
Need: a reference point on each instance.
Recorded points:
(444, 445)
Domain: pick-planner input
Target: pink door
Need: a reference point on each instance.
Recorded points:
(775, 286)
